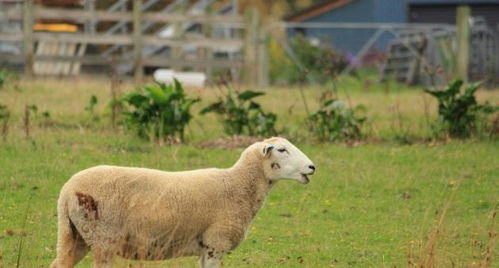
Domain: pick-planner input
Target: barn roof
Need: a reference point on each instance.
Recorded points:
(316, 10)
(328, 5)
(452, 2)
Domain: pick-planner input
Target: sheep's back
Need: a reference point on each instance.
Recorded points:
(146, 201)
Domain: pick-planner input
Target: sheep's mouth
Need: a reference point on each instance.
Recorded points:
(305, 178)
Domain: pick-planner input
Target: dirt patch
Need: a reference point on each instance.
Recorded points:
(88, 203)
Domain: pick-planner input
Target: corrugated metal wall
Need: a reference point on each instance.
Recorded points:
(447, 13)
(352, 40)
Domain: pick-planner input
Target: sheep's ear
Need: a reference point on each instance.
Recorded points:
(267, 149)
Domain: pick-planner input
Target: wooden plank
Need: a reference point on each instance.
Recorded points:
(198, 42)
(67, 65)
(463, 42)
(40, 50)
(59, 65)
(123, 39)
(262, 67)
(137, 41)
(250, 47)
(11, 37)
(176, 52)
(28, 46)
(97, 39)
(71, 14)
(210, 63)
(76, 66)
(171, 18)
(81, 38)
(84, 15)
(153, 61)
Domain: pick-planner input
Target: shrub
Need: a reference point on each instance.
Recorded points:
(240, 115)
(458, 112)
(160, 112)
(335, 121)
(320, 62)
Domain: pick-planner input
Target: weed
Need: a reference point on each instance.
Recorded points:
(240, 115)
(29, 110)
(92, 102)
(8, 79)
(458, 111)
(160, 112)
(115, 104)
(335, 121)
(90, 108)
(4, 120)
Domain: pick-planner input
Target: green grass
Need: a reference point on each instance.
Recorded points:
(367, 206)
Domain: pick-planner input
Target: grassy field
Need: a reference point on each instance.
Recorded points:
(380, 204)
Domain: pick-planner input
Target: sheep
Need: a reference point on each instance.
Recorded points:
(147, 214)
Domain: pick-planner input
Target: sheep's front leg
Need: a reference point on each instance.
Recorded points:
(210, 259)
(103, 258)
(216, 242)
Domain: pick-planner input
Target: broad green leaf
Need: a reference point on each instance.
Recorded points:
(248, 94)
(188, 103)
(135, 99)
(212, 107)
(454, 87)
(254, 105)
(157, 94)
(178, 86)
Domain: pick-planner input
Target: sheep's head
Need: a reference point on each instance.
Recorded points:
(282, 160)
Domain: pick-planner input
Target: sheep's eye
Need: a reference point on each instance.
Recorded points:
(281, 150)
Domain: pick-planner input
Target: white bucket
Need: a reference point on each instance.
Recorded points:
(193, 79)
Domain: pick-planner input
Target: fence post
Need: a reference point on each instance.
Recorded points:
(137, 41)
(250, 46)
(463, 42)
(28, 38)
(262, 66)
(207, 52)
(90, 25)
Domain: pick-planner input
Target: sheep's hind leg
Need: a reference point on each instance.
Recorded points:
(70, 246)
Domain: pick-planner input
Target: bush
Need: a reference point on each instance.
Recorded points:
(459, 112)
(322, 62)
(160, 112)
(335, 121)
(242, 116)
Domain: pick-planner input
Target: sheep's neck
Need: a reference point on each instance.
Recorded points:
(256, 186)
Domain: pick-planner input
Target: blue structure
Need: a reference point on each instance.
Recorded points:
(381, 11)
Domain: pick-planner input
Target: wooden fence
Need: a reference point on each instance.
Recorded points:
(252, 43)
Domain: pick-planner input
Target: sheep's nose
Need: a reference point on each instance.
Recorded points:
(312, 167)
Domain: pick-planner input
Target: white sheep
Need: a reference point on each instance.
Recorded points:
(147, 214)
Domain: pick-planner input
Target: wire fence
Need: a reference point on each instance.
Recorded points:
(412, 53)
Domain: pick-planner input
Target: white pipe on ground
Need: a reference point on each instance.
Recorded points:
(195, 79)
